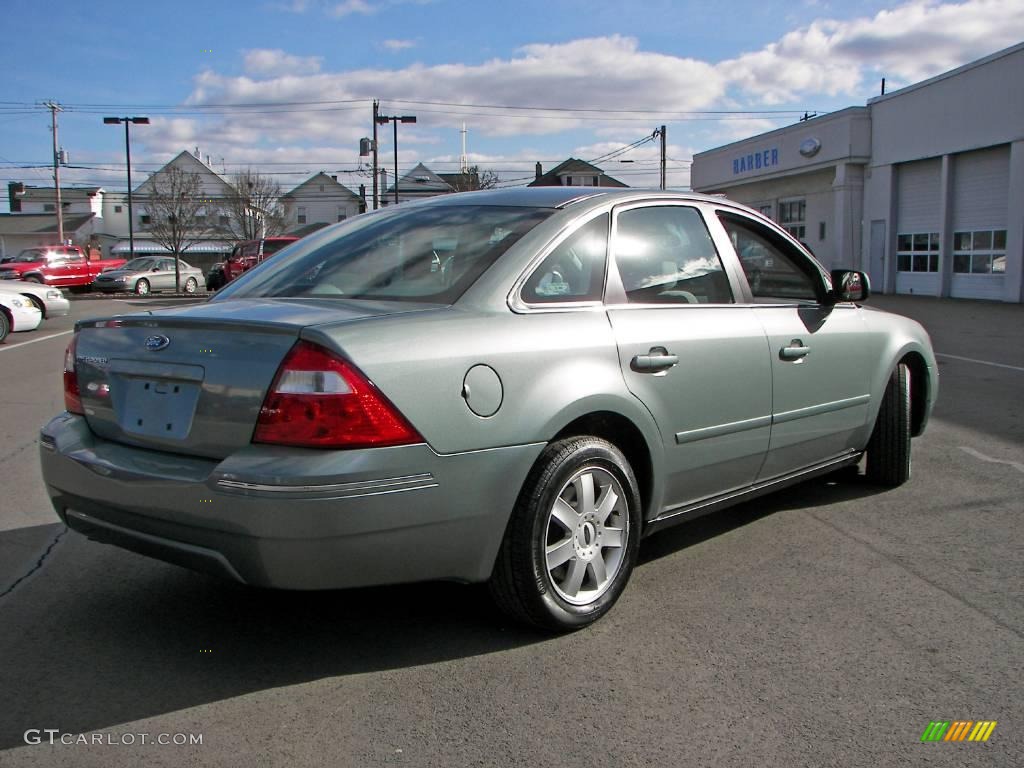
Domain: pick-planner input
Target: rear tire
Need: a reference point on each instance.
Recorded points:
(5, 326)
(888, 449)
(572, 540)
(33, 279)
(142, 287)
(191, 285)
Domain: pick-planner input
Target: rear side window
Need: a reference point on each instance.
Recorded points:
(574, 270)
(775, 270)
(665, 255)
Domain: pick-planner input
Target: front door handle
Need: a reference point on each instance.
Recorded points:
(795, 351)
(657, 359)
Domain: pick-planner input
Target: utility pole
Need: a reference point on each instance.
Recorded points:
(661, 132)
(376, 108)
(54, 108)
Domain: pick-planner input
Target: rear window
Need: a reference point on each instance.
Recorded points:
(429, 254)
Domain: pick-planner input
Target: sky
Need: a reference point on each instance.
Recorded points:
(286, 86)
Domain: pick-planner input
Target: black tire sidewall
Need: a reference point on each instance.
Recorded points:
(594, 453)
(140, 282)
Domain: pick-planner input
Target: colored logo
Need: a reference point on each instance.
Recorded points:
(958, 730)
(156, 343)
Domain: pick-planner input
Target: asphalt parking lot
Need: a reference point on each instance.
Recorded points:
(825, 625)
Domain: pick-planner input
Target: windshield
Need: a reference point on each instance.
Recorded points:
(430, 254)
(139, 265)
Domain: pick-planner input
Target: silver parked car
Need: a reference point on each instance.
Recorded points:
(48, 299)
(145, 274)
(511, 386)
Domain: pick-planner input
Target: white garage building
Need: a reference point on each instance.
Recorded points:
(923, 188)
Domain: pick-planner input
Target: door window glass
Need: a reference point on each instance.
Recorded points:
(574, 270)
(775, 270)
(665, 255)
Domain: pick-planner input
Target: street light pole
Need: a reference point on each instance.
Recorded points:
(396, 119)
(376, 107)
(128, 160)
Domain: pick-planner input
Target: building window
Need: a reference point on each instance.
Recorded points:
(980, 252)
(321, 187)
(301, 215)
(49, 207)
(821, 230)
(568, 181)
(223, 221)
(341, 213)
(117, 209)
(200, 220)
(791, 216)
(144, 219)
(764, 209)
(917, 252)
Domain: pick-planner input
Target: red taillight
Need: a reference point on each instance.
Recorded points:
(318, 400)
(72, 395)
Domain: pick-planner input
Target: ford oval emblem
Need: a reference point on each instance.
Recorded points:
(156, 343)
(809, 147)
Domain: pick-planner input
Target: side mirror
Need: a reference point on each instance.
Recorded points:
(848, 285)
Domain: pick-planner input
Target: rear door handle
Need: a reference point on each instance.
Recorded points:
(795, 351)
(657, 359)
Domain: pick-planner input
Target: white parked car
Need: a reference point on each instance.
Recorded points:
(17, 314)
(49, 300)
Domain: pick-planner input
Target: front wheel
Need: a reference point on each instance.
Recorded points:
(5, 326)
(888, 461)
(142, 287)
(33, 279)
(573, 537)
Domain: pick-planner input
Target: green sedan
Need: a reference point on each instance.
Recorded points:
(510, 386)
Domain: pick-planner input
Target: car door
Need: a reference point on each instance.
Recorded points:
(688, 351)
(820, 366)
(163, 278)
(65, 267)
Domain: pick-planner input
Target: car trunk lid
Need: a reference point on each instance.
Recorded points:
(192, 379)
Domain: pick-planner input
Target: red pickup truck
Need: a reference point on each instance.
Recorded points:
(58, 265)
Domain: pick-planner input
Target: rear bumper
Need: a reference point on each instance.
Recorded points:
(290, 518)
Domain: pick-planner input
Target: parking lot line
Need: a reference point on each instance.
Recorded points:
(980, 362)
(4, 348)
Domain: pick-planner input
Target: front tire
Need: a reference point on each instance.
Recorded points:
(573, 537)
(33, 279)
(888, 461)
(142, 287)
(5, 326)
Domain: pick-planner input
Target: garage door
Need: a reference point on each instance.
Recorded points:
(918, 206)
(981, 182)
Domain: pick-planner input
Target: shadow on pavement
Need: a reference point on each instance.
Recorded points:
(102, 637)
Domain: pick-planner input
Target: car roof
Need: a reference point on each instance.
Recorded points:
(562, 197)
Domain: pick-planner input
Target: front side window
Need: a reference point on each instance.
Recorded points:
(665, 255)
(980, 252)
(574, 270)
(431, 254)
(917, 252)
(774, 268)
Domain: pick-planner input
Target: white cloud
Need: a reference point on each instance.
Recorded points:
(398, 45)
(274, 62)
(908, 43)
(349, 7)
(832, 60)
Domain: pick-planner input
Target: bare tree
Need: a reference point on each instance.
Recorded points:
(254, 207)
(176, 211)
(472, 179)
